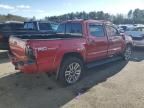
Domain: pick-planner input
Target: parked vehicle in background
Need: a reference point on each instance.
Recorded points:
(8, 28)
(126, 27)
(137, 35)
(139, 25)
(11, 25)
(77, 44)
(40, 26)
(29, 27)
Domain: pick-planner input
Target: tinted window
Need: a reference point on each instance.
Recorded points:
(68, 28)
(45, 26)
(10, 26)
(74, 29)
(96, 30)
(16, 26)
(61, 29)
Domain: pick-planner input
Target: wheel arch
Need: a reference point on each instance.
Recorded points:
(70, 54)
(73, 54)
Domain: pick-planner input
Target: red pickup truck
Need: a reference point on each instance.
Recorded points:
(76, 45)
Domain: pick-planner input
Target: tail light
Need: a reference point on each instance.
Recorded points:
(29, 52)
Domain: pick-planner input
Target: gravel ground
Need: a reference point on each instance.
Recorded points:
(114, 85)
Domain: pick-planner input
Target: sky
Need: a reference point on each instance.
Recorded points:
(42, 8)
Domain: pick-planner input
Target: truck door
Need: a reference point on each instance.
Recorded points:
(115, 40)
(97, 42)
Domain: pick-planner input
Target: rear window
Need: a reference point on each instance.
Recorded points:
(45, 26)
(96, 30)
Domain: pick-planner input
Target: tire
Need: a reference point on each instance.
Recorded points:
(128, 52)
(70, 71)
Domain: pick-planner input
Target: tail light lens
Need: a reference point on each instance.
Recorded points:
(29, 52)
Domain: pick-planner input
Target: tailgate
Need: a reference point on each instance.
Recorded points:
(17, 48)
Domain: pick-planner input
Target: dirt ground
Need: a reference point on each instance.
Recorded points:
(114, 85)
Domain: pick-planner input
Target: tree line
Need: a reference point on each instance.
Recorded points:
(133, 17)
(10, 17)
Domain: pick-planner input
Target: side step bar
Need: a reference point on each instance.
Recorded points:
(104, 61)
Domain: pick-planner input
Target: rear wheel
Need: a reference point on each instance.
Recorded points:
(71, 70)
(127, 53)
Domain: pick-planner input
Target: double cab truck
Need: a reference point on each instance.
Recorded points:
(76, 45)
(29, 27)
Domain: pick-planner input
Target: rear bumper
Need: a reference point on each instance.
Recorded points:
(24, 66)
(30, 66)
(138, 43)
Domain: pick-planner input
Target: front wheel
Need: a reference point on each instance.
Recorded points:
(127, 53)
(71, 70)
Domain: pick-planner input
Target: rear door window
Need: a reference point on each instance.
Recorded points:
(68, 28)
(74, 29)
(96, 30)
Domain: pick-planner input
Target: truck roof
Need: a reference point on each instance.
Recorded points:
(89, 21)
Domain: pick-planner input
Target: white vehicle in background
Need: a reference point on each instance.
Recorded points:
(126, 27)
(137, 35)
(139, 25)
